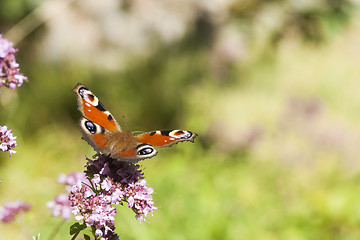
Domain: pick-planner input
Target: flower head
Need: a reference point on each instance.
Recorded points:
(110, 182)
(10, 75)
(92, 196)
(11, 209)
(119, 171)
(7, 140)
(139, 199)
(91, 202)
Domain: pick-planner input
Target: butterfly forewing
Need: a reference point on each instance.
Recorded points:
(92, 109)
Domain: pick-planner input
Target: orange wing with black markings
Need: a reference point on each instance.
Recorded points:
(166, 138)
(105, 135)
(91, 108)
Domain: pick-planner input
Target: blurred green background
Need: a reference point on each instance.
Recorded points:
(271, 87)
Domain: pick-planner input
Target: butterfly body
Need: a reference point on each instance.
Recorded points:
(105, 135)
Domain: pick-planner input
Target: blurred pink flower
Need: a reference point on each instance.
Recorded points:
(61, 204)
(11, 209)
(10, 75)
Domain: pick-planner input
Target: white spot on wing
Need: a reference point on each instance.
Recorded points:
(87, 99)
(185, 135)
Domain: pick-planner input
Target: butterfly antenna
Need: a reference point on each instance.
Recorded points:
(127, 127)
(125, 123)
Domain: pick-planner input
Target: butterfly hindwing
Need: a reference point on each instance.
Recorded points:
(166, 138)
(119, 145)
(94, 134)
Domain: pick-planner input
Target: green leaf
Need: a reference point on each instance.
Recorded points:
(86, 237)
(77, 227)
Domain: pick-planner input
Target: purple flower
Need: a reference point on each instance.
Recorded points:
(123, 172)
(94, 207)
(139, 199)
(71, 179)
(110, 182)
(61, 204)
(10, 75)
(7, 140)
(11, 209)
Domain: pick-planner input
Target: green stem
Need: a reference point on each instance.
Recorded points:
(75, 235)
(56, 230)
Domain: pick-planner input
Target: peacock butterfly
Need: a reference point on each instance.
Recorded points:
(105, 135)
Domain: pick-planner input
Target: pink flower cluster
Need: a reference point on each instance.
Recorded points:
(139, 199)
(10, 75)
(94, 205)
(127, 179)
(112, 182)
(11, 209)
(109, 182)
(7, 140)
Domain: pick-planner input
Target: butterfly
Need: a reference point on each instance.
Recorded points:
(105, 135)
